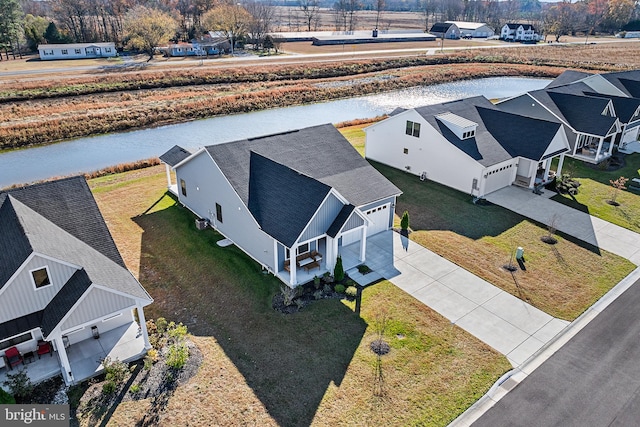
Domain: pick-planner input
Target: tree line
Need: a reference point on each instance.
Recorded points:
(145, 24)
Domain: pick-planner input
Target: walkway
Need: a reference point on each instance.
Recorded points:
(581, 225)
(506, 323)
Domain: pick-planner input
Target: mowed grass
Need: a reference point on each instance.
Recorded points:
(595, 190)
(264, 368)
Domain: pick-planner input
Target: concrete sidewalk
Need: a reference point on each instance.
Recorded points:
(581, 225)
(506, 323)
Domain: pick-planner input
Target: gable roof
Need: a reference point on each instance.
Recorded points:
(64, 300)
(319, 152)
(625, 107)
(627, 81)
(175, 155)
(568, 76)
(282, 200)
(12, 241)
(526, 27)
(341, 219)
(468, 25)
(441, 27)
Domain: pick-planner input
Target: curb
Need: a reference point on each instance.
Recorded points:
(511, 379)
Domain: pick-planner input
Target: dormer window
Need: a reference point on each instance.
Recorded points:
(463, 128)
(468, 134)
(41, 277)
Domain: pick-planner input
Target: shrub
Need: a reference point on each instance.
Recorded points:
(288, 294)
(19, 384)
(317, 294)
(150, 358)
(178, 355)
(161, 324)
(6, 398)
(351, 291)
(338, 271)
(404, 222)
(134, 389)
(326, 289)
(339, 289)
(109, 387)
(115, 370)
(364, 269)
(177, 332)
(316, 282)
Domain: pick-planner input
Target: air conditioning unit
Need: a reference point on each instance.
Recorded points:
(201, 223)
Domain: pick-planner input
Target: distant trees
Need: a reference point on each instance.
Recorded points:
(231, 19)
(260, 23)
(310, 12)
(10, 25)
(146, 29)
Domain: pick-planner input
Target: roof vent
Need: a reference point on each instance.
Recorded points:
(463, 128)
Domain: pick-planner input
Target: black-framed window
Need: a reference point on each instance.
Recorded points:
(41, 277)
(183, 187)
(413, 129)
(15, 340)
(218, 212)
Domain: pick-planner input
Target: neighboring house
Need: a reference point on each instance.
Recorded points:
(183, 49)
(469, 145)
(281, 197)
(519, 33)
(63, 281)
(76, 51)
(446, 30)
(473, 29)
(589, 121)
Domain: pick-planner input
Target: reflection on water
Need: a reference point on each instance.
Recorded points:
(88, 154)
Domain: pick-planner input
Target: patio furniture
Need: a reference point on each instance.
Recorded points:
(14, 357)
(44, 347)
(29, 357)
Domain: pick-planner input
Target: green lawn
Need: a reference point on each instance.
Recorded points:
(264, 368)
(595, 190)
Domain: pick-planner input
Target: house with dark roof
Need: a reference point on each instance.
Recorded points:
(622, 88)
(519, 33)
(469, 145)
(64, 286)
(445, 30)
(291, 201)
(473, 29)
(589, 121)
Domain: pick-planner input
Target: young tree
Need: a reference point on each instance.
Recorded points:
(617, 185)
(338, 271)
(404, 222)
(146, 29)
(231, 19)
(380, 6)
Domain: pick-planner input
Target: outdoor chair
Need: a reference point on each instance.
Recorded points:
(44, 347)
(13, 356)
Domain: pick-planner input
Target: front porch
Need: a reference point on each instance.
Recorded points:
(591, 153)
(305, 275)
(124, 343)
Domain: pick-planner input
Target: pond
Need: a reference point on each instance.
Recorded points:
(93, 153)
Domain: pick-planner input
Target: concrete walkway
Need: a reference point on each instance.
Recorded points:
(581, 225)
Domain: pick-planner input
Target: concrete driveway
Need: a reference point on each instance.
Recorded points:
(581, 225)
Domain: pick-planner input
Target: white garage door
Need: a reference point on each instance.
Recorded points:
(498, 178)
(379, 216)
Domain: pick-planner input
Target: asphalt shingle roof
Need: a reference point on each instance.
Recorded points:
(175, 155)
(319, 152)
(567, 77)
(627, 81)
(625, 107)
(15, 247)
(282, 200)
(64, 300)
(440, 27)
(341, 219)
(20, 325)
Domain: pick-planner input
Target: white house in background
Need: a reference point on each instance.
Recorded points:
(519, 33)
(469, 145)
(291, 201)
(473, 29)
(76, 51)
(64, 288)
(445, 30)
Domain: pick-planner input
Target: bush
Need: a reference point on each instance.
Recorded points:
(326, 289)
(177, 332)
(317, 294)
(178, 355)
(115, 370)
(316, 282)
(19, 384)
(109, 387)
(351, 291)
(134, 389)
(6, 398)
(161, 324)
(339, 289)
(150, 358)
(364, 269)
(404, 222)
(338, 271)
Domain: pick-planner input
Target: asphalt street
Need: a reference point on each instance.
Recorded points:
(594, 380)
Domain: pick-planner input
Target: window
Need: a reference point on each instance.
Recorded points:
(304, 248)
(183, 187)
(413, 129)
(41, 277)
(406, 151)
(108, 50)
(65, 51)
(78, 51)
(15, 340)
(218, 212)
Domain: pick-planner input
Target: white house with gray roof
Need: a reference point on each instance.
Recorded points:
(291, 201)
(50, 52)
(469, 145)
(63, 284)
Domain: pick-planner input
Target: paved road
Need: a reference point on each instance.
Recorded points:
(594, 380)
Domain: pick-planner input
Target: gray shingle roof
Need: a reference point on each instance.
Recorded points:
(319, 152)
(13, 241)
(625, 107)
(282, 200)
(175, 155)
(66, 297)
(341, 219)
(567, 77)
(20, 325)
(627, 81)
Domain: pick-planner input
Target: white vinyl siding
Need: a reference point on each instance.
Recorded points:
(98, 303)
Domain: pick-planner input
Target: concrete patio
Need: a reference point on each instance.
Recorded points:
(124, 343)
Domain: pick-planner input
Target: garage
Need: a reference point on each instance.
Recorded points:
(379, 217)
(498, 178)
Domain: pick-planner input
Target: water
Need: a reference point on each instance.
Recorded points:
(93, 153)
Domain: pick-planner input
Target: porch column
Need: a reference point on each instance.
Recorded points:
(67, 374)
(293, 254)
(168, 170)
(363, 244)
(560, 163)
(599, 148)
(547, 167)
(328, 256)
(143, 326)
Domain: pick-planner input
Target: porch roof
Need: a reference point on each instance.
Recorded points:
(341, 219)
(66, 297)
(175, 155)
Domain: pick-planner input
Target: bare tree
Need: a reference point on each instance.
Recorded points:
(380, 6)
(310, 10)
(261, 17)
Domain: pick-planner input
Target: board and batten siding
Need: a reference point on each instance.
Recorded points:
(206, 186)
(323, 218)
(98, 303)
(80, 334)
(354, 222)
(19, 297)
